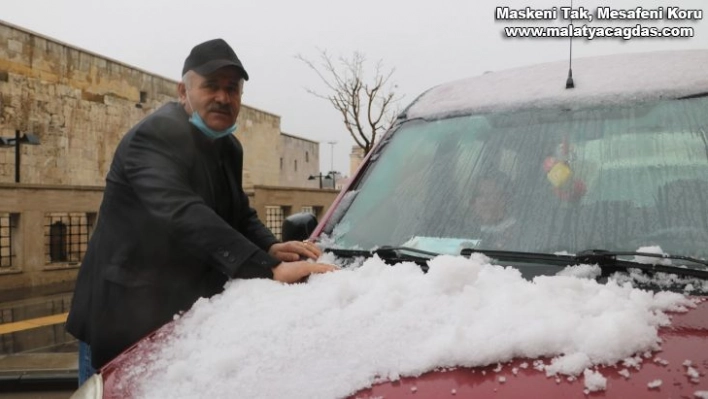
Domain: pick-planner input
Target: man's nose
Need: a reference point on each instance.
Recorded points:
(222, 96)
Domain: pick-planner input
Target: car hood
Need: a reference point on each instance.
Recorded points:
(681, 367)
(684, 353)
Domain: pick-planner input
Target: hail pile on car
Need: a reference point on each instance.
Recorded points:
(343, 331)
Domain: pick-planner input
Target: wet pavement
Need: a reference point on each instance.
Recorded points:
(31, 367)
(39, 358)
(37, 395)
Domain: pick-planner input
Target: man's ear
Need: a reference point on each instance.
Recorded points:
(182, 92)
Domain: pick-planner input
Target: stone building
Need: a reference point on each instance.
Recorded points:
(356, 157)
(299, 159)
(79, 105)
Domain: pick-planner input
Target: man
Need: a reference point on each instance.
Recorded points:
(175, 223)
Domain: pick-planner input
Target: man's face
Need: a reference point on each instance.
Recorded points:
(216, 97)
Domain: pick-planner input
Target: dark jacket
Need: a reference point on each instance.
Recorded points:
(159, 244)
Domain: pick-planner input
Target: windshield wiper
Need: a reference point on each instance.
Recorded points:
(389, 254)
(696, 95)
(598, 255)
(604, 259)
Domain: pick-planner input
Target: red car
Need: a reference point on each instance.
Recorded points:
(537, 171)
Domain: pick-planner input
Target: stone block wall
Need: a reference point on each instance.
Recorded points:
(303, 153)
(80, 104)
(356, 157)
(259, 133)
(273, 204)
(31, 208)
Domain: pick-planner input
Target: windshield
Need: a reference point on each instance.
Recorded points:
(539, 181)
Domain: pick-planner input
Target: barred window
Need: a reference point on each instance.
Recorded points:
(8, 224)
(66, 236)
(308, 209)
(274, 219)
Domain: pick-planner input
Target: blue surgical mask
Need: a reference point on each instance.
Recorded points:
(197, 121)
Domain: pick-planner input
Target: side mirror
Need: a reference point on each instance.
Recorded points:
(299, 226)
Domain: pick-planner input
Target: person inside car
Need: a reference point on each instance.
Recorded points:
(491, 208)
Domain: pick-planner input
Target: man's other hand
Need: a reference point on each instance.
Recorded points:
(292, 272)
(292, 251)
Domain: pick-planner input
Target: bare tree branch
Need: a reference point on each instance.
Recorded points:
(366, 106)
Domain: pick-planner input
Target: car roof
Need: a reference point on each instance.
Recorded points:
(602, 80)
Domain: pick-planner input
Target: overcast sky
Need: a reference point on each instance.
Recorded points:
(427, 42)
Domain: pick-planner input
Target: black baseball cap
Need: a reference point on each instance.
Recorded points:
(209, 56)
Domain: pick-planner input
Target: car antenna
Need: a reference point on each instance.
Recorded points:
(569, 84)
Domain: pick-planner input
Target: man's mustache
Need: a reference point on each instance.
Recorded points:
(225, 109)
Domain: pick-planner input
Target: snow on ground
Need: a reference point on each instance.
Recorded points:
(342, 331)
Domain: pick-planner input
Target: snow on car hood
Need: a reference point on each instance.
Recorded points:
(613, 79)
(342, 331)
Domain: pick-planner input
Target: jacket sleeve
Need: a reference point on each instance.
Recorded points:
(156, 165)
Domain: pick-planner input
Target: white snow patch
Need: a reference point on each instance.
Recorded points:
(649, 259)
(661, 361)
(569, 364)
(701, 394)
(654, 384)
(614, 79)
(691, 372)
(343, 331)
(581, 271)
(594, 381)
(662, 280)
(635, 362)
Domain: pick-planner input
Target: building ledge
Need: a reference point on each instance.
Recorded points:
(11, 270)
(61, 266)
(51, 187)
